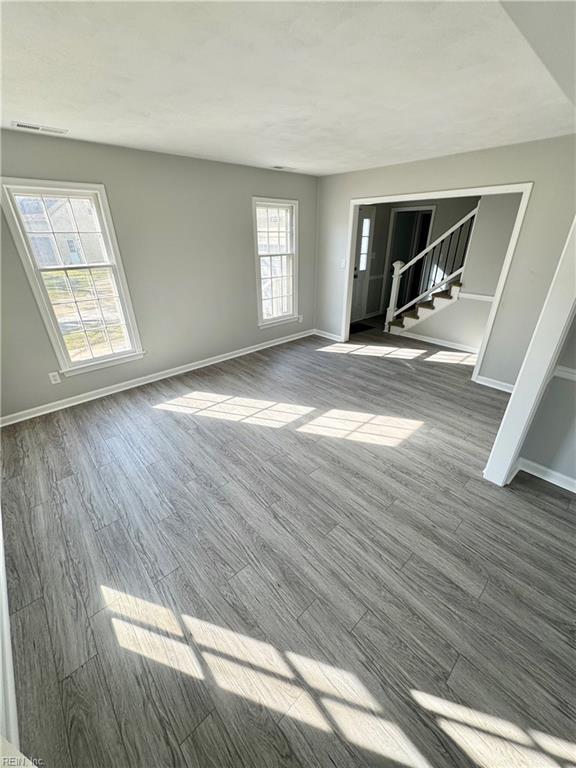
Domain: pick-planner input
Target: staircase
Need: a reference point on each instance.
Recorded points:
(426, 308)
(432, 280)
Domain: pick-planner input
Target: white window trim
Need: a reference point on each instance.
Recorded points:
(262, 323)
(11, 186)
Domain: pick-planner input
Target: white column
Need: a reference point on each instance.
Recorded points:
(394, 292)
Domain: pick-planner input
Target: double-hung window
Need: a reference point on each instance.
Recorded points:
(66, 241)
(276, 234)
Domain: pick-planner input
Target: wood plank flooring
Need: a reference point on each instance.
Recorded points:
(289, 559)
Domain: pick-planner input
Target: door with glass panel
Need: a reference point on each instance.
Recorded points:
(363, 255)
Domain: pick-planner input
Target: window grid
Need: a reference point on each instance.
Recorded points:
(275, 237)
(76, 271)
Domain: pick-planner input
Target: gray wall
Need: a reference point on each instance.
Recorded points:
(461, 323)
(551, 440)
(549, 164)
(185, 233)
(490, 238)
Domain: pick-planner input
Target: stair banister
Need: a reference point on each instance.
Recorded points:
(394, 291)
(438, 240)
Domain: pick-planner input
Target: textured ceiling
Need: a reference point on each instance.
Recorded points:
(317, 87)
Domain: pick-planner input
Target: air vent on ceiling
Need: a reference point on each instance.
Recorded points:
(38, 128)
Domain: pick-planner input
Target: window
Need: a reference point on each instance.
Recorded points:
(65, 237)
(276, 231)
(364, 244)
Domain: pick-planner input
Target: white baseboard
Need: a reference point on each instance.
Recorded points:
(326, 335)
(544, 473)
(563, 372)
(439, 342)
(475, 296)
(95, 394)
(494, 383)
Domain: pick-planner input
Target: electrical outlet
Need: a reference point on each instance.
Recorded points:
(54, 377)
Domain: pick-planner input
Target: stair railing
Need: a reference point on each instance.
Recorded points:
(434, 267)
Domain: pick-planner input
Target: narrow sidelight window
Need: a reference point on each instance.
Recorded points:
(276, 233)
(65, 238)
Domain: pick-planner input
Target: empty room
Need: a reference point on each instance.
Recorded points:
(288, 384)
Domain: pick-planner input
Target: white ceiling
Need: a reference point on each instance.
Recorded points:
(317, 87)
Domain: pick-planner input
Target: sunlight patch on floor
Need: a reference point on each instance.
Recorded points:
(362, 427)
(243, 648)
(313, 692)
(266, 413)
(490, 751)
(453, 358)
(372, 350)
(494, 742)
(159, 648)
(472, 717)
(350, 425)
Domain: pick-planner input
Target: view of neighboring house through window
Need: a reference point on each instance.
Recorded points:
(65, 238)
(276, 259)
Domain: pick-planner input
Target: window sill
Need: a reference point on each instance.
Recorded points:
(97, 364)
(280, 321)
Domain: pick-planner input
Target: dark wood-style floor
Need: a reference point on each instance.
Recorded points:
(289, 559)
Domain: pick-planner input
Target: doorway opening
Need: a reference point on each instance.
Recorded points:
(452, 249)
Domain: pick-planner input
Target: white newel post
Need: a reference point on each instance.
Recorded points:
(394, 292)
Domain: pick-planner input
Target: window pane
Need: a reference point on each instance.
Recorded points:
(287, 305)
(81, 284)
(286, 265)
(276, 266)
(70, 248)
(104, 282)
(93, 245)
(32, 213)
(276, 286)
(99, 343)
(261, 218)
(273, 242)
(112, 311)
(286, 286)
(57, 286)
(90, 314)
(277, 307)
(44, 250)
(68, 318)
(85, 214)
(265, 268)
(262, 243)
(266, 289)
(366, 227)
(77, 346)
(118, 335)
(60, 214)
(267, 309)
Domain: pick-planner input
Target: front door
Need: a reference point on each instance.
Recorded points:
(363, 254)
